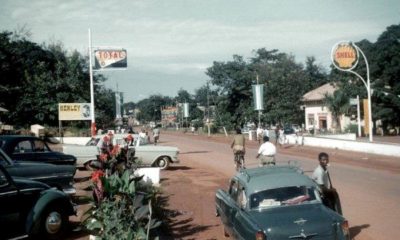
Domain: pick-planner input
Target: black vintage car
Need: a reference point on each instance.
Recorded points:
(59, 176)
(32, 208)
(30, 148)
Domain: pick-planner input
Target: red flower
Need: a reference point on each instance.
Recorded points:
(115, 151)
(103, 157)
(97, 175)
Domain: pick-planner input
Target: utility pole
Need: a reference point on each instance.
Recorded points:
(208, 110)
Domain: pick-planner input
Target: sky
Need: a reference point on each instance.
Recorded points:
(171, 43)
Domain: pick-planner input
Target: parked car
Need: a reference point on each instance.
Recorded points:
(155, 155)
(276, 203)
(32, 208)
(58, 176)
(30, 148)
(85, 154)
(145, 154)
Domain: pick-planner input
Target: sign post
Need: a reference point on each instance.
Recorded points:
(93, 125)
(356, 101)
(345, 56)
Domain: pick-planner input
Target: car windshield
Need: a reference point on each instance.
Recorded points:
(93, 142)
(283, 196)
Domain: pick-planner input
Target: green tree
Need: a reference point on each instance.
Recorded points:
(338, 105)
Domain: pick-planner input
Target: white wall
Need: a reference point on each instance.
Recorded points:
(348, 145)
(74, 140)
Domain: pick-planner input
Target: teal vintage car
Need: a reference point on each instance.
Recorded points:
(276, 203)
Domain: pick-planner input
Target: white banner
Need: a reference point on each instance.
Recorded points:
(186, 110)
(73, 111)
(258, 95)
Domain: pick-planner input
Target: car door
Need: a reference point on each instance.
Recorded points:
(42, 152)
(9, 200)
(23, 150)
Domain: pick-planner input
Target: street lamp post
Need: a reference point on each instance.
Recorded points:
(345, 58)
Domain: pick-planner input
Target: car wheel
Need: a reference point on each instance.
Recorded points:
(162, 163)
(52, 224)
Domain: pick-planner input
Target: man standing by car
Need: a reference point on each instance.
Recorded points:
(320, 174)
(322, 178)
(267, 152)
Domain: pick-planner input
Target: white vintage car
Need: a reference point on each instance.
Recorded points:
(146, 154)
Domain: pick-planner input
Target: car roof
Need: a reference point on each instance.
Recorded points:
(271, 177)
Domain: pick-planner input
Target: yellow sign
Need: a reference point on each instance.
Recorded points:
(366, 117)
(344, 56)
(74, 111)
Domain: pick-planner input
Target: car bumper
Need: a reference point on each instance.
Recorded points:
(69, 191)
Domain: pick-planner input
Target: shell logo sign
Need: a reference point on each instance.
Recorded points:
(344, 56)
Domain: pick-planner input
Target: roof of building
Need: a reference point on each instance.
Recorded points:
(319, 93)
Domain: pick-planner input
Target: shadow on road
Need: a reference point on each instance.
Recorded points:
(194, 152)
(355, 230)
(175, 168)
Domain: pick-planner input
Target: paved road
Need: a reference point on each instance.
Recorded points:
(370, 197)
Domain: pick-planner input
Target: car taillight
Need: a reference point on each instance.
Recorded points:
(345, 228)
(260, 236)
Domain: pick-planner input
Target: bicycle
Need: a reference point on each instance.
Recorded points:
(239, 160)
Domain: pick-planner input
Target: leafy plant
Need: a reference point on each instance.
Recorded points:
(124, 212)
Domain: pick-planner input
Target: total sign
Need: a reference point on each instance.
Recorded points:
(110, 58)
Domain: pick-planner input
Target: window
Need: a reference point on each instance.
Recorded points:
(283, 196)
(23, 146)
(40, 146)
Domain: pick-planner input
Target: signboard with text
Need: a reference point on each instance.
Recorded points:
(110, 58)
(344, 56)
(73, 111)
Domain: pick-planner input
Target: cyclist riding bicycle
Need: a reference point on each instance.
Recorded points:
(238, 146)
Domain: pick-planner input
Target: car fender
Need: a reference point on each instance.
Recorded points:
(47, 198)
(161, 156)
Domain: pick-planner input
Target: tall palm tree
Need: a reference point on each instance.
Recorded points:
(338, 104)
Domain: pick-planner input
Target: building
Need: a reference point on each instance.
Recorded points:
(317, 114)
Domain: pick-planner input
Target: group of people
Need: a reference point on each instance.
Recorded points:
(145, 135)
(266, 154)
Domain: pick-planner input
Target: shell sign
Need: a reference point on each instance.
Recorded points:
(344, 56)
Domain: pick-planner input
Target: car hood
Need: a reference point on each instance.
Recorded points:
(290, 221)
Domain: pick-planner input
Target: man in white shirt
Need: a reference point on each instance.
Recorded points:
(320, 174)
(266, 152)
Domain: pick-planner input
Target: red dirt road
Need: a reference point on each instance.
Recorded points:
(367, 184)
(206, 165)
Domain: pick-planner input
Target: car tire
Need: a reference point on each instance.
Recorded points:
(162, 163)
(52, 224)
